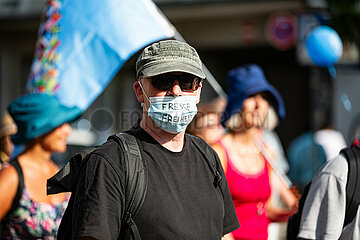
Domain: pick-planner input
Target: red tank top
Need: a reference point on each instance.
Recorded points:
(249, 194)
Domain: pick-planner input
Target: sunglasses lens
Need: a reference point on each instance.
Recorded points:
(164, 82)
(189, 83)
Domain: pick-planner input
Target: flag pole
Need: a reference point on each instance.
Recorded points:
(211, 79)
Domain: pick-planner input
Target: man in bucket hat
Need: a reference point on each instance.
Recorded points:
(182, 201)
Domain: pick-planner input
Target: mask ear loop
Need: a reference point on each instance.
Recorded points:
(197, 93)
(142, 104)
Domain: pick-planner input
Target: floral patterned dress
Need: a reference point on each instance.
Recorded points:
(34, 220)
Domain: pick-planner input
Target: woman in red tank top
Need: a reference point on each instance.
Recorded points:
(246, 169)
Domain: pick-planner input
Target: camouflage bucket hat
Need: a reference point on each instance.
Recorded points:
(169, 56)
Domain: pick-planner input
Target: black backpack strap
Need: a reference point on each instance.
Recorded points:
(209, 156)
(65, 179)
(20, 189)
(21, 185)
(136, 179)
(293, 225)
(352, 155)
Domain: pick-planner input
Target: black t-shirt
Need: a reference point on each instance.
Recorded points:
(181, 201)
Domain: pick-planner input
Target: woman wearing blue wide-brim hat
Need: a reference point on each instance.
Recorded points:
(242, 152)
(26, 211)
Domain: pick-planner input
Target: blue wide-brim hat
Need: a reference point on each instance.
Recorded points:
(246, 81)
(38, 114)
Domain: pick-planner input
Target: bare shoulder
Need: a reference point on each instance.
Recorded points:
(218, 148)
(8, 187)
(8, 176)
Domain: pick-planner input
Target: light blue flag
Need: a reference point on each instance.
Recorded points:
(83, 43)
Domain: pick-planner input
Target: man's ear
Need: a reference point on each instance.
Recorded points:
(198, 93)
(138, 92)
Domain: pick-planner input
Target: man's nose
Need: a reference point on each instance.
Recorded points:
(175, 89)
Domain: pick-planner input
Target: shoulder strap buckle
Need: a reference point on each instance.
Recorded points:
(217, 179)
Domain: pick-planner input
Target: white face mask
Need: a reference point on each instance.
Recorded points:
(172, 114)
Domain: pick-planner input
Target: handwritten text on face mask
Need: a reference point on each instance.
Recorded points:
(184, 118)
(176, 106)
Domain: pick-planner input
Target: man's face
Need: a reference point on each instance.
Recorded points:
(170, 84)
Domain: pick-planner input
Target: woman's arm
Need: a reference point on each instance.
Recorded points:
(8, 188)
(281, 214)
(288, 196)
(221, 153)
(278, 214)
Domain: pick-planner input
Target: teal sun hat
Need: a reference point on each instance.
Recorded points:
(37, 114)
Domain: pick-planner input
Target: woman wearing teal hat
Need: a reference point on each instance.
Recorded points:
(243, 153)
(26, 211)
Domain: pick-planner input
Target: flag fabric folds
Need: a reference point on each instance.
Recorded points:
(82, 44)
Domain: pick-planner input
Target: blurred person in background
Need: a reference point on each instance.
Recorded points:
(308, 152)
(331, 210)
(242, 153)
(206, 123)
(7, 128)
(26, 211)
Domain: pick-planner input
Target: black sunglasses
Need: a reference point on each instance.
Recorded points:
(187, 82)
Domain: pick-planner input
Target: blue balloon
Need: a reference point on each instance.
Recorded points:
(324, 46)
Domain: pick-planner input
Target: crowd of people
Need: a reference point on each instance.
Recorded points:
(209, 170)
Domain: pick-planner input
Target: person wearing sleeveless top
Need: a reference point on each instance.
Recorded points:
(7, 128)
(43, 130)
(247, 169)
